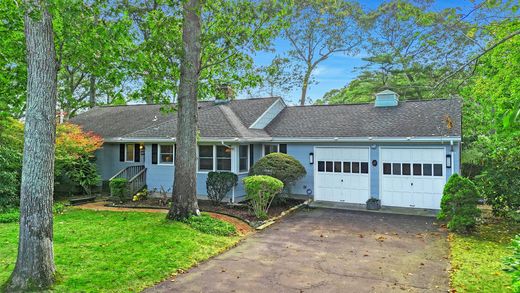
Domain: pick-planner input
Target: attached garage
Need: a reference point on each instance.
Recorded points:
(412, 177)
(342, 174)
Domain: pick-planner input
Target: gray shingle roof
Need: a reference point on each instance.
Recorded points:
(149, 121)
(407, 119)
(232, 120)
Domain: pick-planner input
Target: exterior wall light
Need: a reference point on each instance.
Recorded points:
(448, 161)
(311, 158)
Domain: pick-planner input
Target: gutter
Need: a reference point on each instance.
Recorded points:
(441, 139)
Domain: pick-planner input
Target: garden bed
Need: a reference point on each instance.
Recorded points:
(240, 210)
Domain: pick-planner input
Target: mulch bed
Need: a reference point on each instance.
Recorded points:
(240, 211)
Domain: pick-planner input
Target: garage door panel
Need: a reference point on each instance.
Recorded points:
(423, 190)
(342, 185)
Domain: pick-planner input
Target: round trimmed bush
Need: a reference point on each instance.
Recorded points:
(280, 166)
(459, 204)
(219, 184)
(119, 188)
(260, 192)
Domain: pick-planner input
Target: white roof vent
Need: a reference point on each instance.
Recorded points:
(386, 98)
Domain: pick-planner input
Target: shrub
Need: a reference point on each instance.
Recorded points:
(260, 192)
(219, 184)
(499, 181)
(280, 166)
(459, 204)
(513, 264)
(11, 147)
(10, 216)
(141, 195)
(206, 224)
(119, 188)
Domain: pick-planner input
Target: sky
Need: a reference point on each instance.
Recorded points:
(338, 70)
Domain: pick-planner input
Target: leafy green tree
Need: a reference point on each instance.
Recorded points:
(217, 37)
(318, 30)
(92, 41)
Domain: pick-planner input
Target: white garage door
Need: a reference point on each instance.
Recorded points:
(341, 174)
(412, 177)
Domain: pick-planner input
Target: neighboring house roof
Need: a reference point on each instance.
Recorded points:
(407, 119)
(227, 120)
(232, 120)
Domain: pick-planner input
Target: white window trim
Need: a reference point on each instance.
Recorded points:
(248, 159)
(277, 148)
(159, 155)
(126, 153)
(214, 159)
(215, 165)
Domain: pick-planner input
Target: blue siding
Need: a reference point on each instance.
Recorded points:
(162, 175)
(107, 161)
(374, 172)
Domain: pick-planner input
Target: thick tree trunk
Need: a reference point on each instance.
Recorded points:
(185, 178)
(35, 268)
(92, 92)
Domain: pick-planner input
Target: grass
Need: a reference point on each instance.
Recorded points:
(476, 259)
(116, 251)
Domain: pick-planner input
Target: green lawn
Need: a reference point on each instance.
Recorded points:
(116, 251)
(477, 259)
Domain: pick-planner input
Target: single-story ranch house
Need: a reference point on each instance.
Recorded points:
(401, 152)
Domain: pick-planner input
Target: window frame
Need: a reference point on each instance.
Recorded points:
(213, 159)
(248, 157)
(270, 144)
(159, 153)
(216, 158)
(133, 153)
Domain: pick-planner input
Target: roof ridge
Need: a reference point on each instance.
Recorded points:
(202, 101)
(371, 103)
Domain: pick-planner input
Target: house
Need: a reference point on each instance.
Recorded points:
(401, 152)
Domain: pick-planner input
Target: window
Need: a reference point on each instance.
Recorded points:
(337, 167)
(130, 152)
(427, 169)
(321, 166)
(166, 154)
(387, 168)
(346, 167)
(205, 157)
(364, 167)
(396, 169)
(223, 158)
(406, 169)
(270, 148)
(437, 169)
(355, 167)
(417, 170)
(328, 166)
(243, 153)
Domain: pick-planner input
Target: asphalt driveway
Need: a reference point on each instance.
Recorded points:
(324, 250)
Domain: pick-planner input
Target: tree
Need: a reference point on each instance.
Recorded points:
(92, 41)
(185, 180)
(278, 78)
(35, 269)
(318, 30)
(217, 38)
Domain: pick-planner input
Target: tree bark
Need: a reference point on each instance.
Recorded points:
(305, 85)
(92, 91)
(35, 269)
(185, 178)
